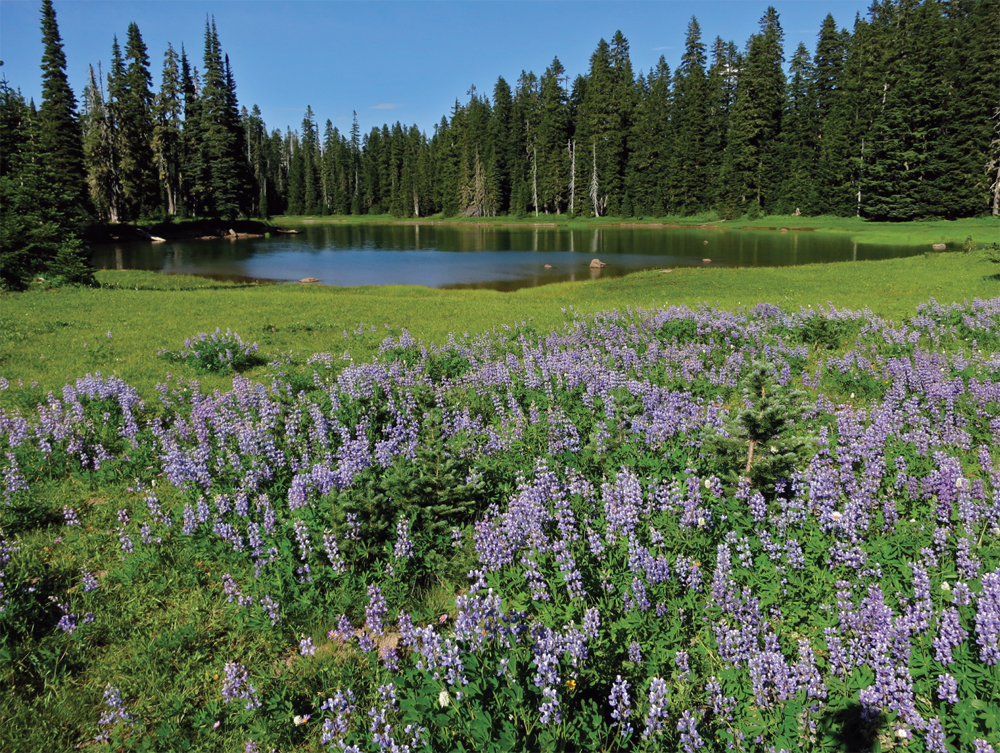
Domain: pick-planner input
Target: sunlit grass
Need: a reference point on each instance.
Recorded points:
(51, 336)
(982, 230)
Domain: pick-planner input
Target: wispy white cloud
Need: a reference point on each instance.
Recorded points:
(385, 106)
(656, 49)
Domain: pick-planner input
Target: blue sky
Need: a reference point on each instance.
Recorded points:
(388, 60)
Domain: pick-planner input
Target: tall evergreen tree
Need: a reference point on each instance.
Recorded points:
(722, 78)
(691, 124)
(59, 136)
(908, 169)
(504, 140)
(752, 170)
(223, 162)
(972, 109)
(133, 120)
(167, 144)
(194, 185)
(622, 104)
(43, 188)
(100, 151)
(799, 138)
(553, 132)
(834, 172)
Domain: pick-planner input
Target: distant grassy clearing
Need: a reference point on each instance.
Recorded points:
(983, 230)
(54, 335)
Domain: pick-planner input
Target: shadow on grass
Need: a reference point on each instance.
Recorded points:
(850, 729)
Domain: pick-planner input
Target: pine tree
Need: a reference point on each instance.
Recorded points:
(223, 163)
(622, 104)
(722, 78)
(596, 121)
(834, 176)
(355, 145)
(59, 137)
(690, 168)
(167, 141)
(43, 189)
(972, 110)
(134, 129)
(908, 170)
(752, 169)
(552, 133)
(194, 183)
(799, 138)
(100, 152)
(505, 144)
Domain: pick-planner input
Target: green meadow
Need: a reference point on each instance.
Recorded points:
(955, 233)
(49, 336)
(166, 637)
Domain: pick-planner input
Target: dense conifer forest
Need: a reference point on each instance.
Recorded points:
(894, 119)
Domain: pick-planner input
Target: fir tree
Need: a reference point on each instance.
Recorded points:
(505, 143)
(799, 138)
(552, 133)
(753, 170)
(43, 189)
(59, 136)
(100, 151)
(167, 142)
(691, 123)
(834, 173)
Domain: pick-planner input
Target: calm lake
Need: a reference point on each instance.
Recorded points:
(463, 256)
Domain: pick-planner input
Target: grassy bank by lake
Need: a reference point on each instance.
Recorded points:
(982, 230)
(50, 336)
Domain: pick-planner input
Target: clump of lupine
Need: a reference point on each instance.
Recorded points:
(675, 529)
(218, 352)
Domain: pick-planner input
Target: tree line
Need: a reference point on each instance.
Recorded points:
(896, 119)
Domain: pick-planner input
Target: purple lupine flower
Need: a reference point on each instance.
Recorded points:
(376, 610)
(950, 635)
(236, 685)
(270, 606)
(591, 623)
(681, 659)
(13, 479)
(67, 623)
(621, 705)
(124, 540)
(89, 582)
(116, 712)
(69, 516)
(380, 728)
(344, 630)
(657, 714)
(934, 738)
(635, 652)
(549, 710)
(306, 647)
(947, 688)
(342, 705)
(988, 619)
(687, 725)
(404, 544)
(333, 552)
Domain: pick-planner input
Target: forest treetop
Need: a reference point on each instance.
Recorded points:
(894, 119)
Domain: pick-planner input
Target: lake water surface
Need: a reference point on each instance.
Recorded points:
(465, 256)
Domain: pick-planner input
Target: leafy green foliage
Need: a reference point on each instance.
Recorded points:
(762, 441)
(220, 352)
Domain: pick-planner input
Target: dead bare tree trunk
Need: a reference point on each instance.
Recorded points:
(571, 148)
(534, 176)
(594, 198)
